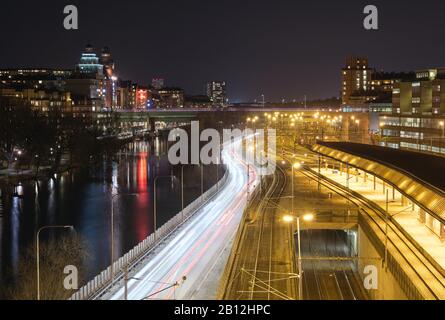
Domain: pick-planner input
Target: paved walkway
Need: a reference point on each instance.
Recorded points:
(403, 215)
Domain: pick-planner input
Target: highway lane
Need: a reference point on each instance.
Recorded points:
(192, 251)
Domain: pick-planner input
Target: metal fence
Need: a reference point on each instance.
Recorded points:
(102, 281)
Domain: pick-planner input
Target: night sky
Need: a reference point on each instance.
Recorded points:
(284, 49)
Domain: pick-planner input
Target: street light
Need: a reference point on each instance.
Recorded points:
(290, 219)
(112, 231)
(295, 166)
(308, 217)
(37, 252)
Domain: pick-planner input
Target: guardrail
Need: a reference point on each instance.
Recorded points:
(103, 280)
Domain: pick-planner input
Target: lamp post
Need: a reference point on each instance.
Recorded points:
(113, 197)
(126, 279)
(37, 252)
(155, 201)
(290, 219)
(296, 166)
(387, 218)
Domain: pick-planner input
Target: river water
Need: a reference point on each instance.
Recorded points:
(83, 199)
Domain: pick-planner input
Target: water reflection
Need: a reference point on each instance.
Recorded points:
(82, 198)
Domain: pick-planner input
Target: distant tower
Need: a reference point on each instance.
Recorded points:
(356, 78)
(216, 91)
(89, 62)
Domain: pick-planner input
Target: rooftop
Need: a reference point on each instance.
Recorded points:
(428, 168)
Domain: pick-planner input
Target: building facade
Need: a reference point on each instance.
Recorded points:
(216, 91)
(417, 120)
(168, 98)
(356, 81)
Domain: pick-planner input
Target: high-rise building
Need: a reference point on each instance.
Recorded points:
(110, 80)
(142, 97)
(216, 91)
(89, 62)
(356, 80)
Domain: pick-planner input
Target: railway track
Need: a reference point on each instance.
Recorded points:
(419, 266)
(250, 276)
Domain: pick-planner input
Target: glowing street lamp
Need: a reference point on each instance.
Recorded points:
(290, 219)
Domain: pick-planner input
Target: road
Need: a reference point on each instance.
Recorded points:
(194, 249)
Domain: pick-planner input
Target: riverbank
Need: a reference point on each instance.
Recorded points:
(13, 177)
(82, 198)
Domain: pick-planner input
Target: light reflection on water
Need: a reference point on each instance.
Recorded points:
(82, 199)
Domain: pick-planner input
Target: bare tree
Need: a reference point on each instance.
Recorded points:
(55, 255)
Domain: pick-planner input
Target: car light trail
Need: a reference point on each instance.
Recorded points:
(192, 251)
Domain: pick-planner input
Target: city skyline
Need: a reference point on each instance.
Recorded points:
(211, 153)
(279, 59)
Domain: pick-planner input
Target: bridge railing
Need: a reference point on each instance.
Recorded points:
(102, 281)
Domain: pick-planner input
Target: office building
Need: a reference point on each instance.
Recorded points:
(417, 120)
(216, 91)
(40, 100)
(356, 81)
(35, 78)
